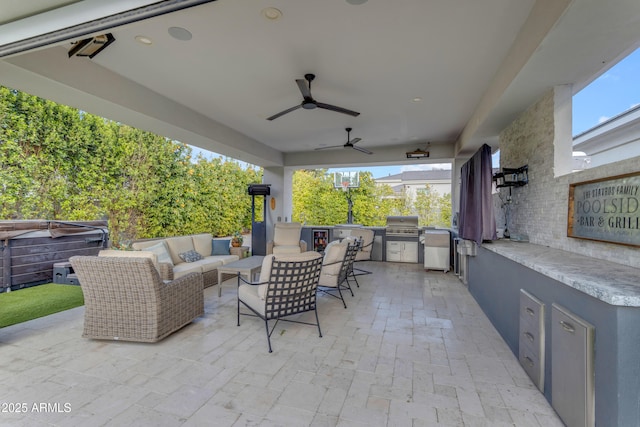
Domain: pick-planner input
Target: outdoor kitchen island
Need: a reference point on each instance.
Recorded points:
(318, 236)
(603, 294)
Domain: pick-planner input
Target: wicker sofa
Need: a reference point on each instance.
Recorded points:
(169, 250)
(125, 299)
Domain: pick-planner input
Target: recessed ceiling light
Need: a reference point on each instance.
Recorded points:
(356, 2)
(271, 13)
(144, 40)
(180, 33)
(417, 99)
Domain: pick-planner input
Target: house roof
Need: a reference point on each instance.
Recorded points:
(424, 175)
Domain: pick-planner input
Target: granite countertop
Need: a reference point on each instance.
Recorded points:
(615, 284)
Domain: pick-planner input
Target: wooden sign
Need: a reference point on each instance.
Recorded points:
(607, 210)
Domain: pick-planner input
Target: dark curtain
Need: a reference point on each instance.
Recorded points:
(477, 221)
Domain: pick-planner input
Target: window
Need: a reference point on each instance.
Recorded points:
(606, 116)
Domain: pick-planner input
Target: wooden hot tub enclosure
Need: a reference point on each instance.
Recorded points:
(29, 248)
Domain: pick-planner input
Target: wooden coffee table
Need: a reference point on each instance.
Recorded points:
(246, 267)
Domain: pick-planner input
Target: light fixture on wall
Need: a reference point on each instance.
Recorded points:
(92, 46)
(418, 153)
(510, 177)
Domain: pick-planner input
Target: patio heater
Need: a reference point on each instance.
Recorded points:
(259, 228)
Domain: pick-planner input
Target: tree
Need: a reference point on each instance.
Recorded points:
(60, 163)
(316, 201)
(433, 209)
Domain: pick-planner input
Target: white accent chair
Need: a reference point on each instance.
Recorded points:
(286, 239)
(287, 286)
(336, 265)
(365, 236)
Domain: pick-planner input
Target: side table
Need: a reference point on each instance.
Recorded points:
(247, 267)
(239, 251)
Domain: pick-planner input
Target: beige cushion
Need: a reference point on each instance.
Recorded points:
(178, 245)
(209, 264)
(185, 268)
(201, 266)
(161, 251)
(143, 245)
(334, 255)
(328, 280)
(249, 295)
(130, 254)
(286, 249)
(366, 235)
(287, 234)
(202, 243)
(265, 272)
(226, 259)
(330, 245)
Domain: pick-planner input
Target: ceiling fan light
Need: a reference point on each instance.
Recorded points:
(308, 103)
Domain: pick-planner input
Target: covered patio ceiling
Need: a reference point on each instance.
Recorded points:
(449, 73)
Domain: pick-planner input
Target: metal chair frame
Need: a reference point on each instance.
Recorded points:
(361, 272)
(343, 277)
(291, 289)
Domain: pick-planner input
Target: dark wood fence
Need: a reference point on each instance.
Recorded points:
(27, 254)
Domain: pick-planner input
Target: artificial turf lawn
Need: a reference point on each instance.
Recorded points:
(37, 301)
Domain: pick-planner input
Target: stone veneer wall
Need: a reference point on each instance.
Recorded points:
(539, 209)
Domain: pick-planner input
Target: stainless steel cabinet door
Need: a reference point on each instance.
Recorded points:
(531, 338)
(572, 368)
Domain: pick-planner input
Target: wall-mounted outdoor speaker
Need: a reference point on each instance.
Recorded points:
(259, 189)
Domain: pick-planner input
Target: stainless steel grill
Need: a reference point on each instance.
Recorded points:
(402, 226)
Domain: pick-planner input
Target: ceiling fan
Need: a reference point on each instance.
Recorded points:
(308, 103)
(350, 144)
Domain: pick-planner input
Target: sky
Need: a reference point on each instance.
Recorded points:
(615, 91)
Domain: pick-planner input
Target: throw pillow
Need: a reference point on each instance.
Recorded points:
(190, 256)
(160, 249)
(220, 247)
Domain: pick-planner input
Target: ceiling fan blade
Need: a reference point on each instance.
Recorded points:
(363, 150)
(282, 113)
(337, 109)
(304, 88)
(354, 140)
(330, 146)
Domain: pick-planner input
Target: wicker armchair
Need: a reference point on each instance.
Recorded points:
(287, 286)
(125, 299)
